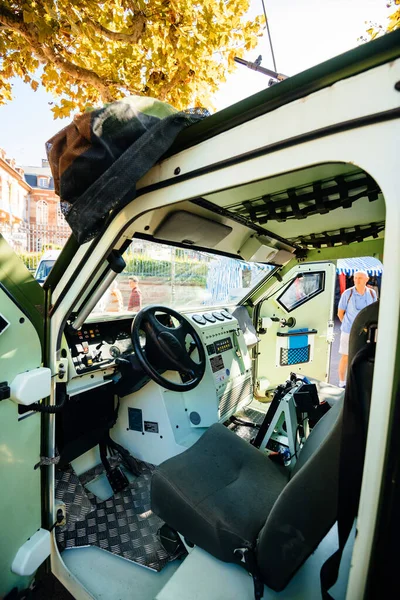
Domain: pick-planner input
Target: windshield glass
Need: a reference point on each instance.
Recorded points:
(178, 277)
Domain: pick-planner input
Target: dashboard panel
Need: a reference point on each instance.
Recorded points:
(228, 368)
(227, 382)
(97, 345)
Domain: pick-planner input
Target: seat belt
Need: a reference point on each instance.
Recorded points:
(351, 463)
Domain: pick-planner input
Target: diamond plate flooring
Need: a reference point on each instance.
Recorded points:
(244, 431)
(124, 524)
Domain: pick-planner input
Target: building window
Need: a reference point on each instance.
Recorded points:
(61, 222)
(43, 182)
(42, 212)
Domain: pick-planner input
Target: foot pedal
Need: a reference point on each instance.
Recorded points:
(117, 479)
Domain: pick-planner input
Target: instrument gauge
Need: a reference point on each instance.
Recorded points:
(218, 316)
(209, 317)
(199, 319)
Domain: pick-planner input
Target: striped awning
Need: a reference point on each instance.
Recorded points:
(349, 266)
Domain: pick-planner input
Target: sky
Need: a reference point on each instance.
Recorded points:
(304, 33)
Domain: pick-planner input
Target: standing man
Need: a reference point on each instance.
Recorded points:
(135, 298)
(351, 302)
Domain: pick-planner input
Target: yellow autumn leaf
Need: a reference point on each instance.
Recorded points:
(392, 23)
(94, 52)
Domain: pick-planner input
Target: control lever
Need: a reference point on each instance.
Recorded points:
(290, 322)
(122, 361)
(97, 356)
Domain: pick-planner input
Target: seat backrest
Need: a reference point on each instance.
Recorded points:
(364, 373)
(307, 508)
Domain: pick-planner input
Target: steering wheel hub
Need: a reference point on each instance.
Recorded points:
(166, 346)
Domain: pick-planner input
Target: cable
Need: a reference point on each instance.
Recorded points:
(51, 410)
(269, 36)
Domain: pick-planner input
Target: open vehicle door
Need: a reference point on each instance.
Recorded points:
(23, 381)
(298, 315)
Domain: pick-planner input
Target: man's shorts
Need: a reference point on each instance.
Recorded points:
(344, 343)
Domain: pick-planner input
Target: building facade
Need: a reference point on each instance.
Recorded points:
(30, 215)
(47, 224)
(44, 205)
(14, 199)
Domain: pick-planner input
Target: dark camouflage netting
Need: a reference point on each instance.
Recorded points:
(98, 158)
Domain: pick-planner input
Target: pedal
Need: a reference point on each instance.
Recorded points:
(118, 480)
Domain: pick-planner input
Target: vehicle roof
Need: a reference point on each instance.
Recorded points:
(366, 56)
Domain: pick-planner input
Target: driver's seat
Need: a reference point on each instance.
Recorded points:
(230, 499)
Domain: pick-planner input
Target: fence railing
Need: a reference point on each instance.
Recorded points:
(31, 241)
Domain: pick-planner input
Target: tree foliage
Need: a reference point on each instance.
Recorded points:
(393, 22)
(88, 52)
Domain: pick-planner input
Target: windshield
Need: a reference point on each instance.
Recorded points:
(179, 278)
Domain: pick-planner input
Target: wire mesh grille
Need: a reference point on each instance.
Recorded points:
(294, 356)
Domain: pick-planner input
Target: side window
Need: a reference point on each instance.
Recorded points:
(304, 287)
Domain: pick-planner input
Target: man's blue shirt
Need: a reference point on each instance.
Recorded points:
(352, 303)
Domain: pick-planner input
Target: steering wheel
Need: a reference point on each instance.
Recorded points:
(166, 346)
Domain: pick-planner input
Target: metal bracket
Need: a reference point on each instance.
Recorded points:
(330, 332)
(286, 411)
(61, 512)
(62, 370)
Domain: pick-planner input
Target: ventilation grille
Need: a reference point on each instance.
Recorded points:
(230, 400)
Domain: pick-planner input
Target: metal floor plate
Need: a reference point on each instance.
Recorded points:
(124, 524)
(243, 431)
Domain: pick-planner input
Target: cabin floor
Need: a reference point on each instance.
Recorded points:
(110, 538)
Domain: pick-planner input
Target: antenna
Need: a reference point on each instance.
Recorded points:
(269, 36)
(256, 65)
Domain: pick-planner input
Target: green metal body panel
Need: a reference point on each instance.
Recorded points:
(67, 254)
(21, 303)
(22, 286)
(372, 248)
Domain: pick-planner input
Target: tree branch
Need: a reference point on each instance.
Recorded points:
(77, 72)
(138, 26)
(180, 74)
(46, 54)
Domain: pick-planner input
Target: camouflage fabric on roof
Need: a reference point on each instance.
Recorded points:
(98, 158)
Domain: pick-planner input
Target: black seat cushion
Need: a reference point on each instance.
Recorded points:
(218, 493)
